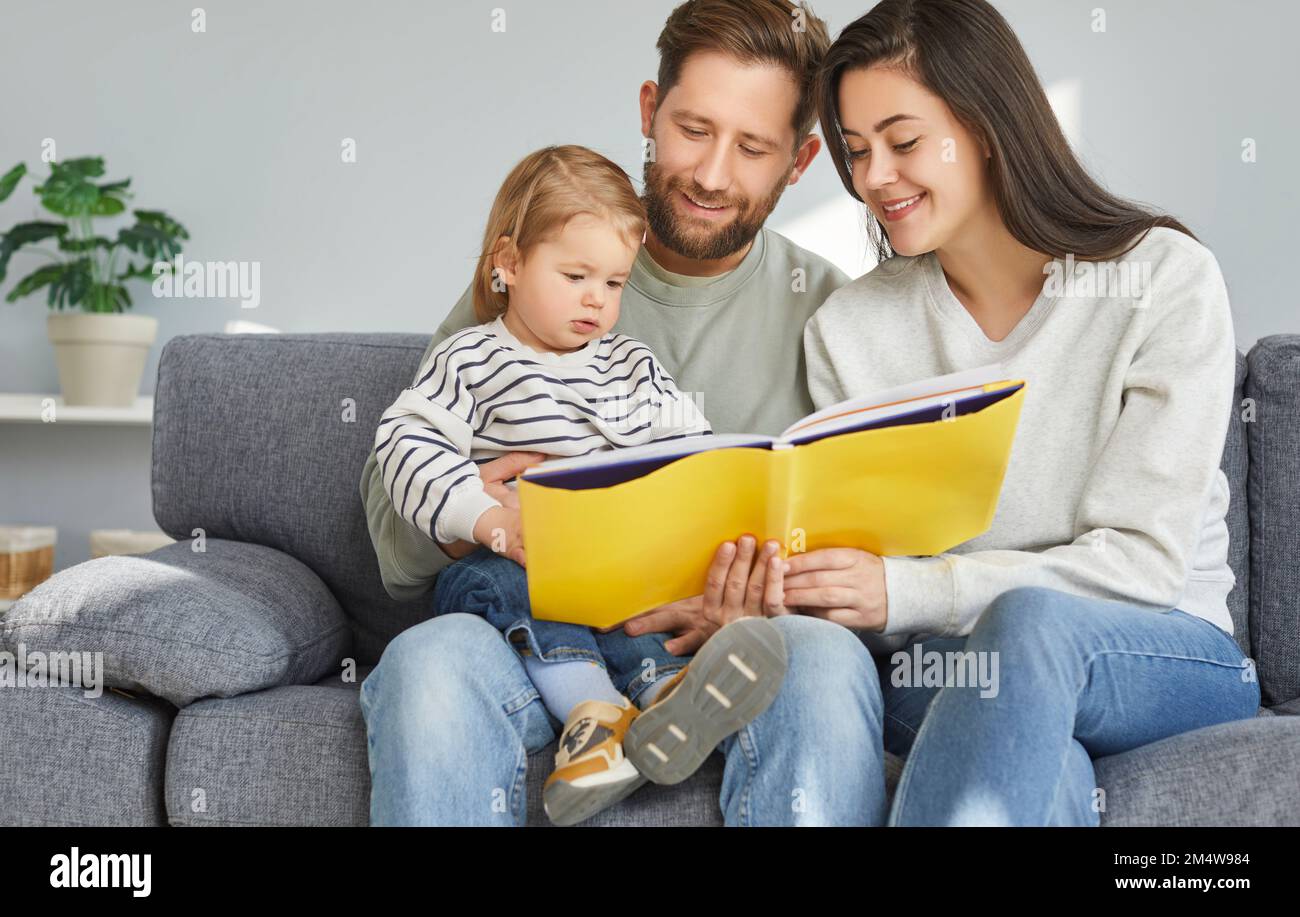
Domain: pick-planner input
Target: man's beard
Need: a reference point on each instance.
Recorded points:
(700, 242)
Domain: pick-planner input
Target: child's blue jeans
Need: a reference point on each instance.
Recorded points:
(494, 587)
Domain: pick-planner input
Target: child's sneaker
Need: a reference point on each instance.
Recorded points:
(735, 676)
(591, 771)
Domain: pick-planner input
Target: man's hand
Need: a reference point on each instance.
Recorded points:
(685, 618)
(748, 586)
(737, 585)
(493, 473)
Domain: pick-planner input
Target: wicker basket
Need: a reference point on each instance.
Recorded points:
(26, 558)
(111, 542)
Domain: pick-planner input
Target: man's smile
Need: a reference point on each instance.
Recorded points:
(707, 212)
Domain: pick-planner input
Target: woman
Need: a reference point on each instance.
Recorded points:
(1098, 596)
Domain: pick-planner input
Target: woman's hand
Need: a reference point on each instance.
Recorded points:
(737, 585)
(843, 585)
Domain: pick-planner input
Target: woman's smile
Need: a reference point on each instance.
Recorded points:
(902, 207)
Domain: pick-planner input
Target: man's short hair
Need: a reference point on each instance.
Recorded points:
(777, 32)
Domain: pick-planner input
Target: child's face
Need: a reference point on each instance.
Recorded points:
(566, 291)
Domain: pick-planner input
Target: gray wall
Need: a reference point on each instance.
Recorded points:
(237, 132)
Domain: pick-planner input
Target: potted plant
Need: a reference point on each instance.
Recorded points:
(100, 352)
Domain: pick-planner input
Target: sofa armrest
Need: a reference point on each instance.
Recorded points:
(1273, 432)
(181, 624)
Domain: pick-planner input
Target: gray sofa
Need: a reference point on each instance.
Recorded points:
(235, 655)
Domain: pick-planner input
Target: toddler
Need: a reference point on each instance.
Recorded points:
(544, 372)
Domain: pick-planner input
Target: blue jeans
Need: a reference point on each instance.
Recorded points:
(1077, 679)
(495, 588)
(451, 718)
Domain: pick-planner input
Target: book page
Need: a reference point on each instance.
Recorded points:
(672, 448)
(884, 403)
(917, 410)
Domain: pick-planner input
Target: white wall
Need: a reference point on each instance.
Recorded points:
(237, 132)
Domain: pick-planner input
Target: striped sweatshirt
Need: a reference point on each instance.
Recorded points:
(482, 393)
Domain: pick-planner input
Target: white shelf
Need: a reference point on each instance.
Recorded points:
(29, 408)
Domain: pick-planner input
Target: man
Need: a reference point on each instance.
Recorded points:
(722, 302)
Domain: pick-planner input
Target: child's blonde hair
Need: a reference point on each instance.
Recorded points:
(540, 195)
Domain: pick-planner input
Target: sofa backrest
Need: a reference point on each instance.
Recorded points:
(1271, 409)
(262, 437)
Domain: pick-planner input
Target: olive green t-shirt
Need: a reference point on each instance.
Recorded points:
(662, 274)
(733, 342)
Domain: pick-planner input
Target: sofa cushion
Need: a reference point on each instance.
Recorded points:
(1246, 772)
(1290, 708)
(293, 755)
(1273, 387)
(68, 758)
(182, 624)
(262, 438)
(299, 756)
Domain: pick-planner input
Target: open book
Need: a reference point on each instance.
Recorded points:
(913, 470)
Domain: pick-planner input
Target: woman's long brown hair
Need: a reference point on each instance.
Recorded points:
(964, 52)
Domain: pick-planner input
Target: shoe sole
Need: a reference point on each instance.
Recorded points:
(733, 679)
(566, 804)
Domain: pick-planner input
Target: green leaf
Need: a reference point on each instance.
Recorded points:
(112, 198)
(143, 271)
(85, 167)
(147, 240)
(25, 234)
(67, 244)
(68, 194)
(68, 191)
(41, 277)
(10, 179)
(162, 222)
(107, 206)
(72, 285)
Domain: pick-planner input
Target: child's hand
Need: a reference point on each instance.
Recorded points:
(501, 529)
(493, 474)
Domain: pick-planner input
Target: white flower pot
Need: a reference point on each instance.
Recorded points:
(101, 356)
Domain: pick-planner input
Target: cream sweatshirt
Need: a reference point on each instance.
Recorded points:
(1113, 489)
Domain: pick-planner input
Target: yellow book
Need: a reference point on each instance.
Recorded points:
(913, 471)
